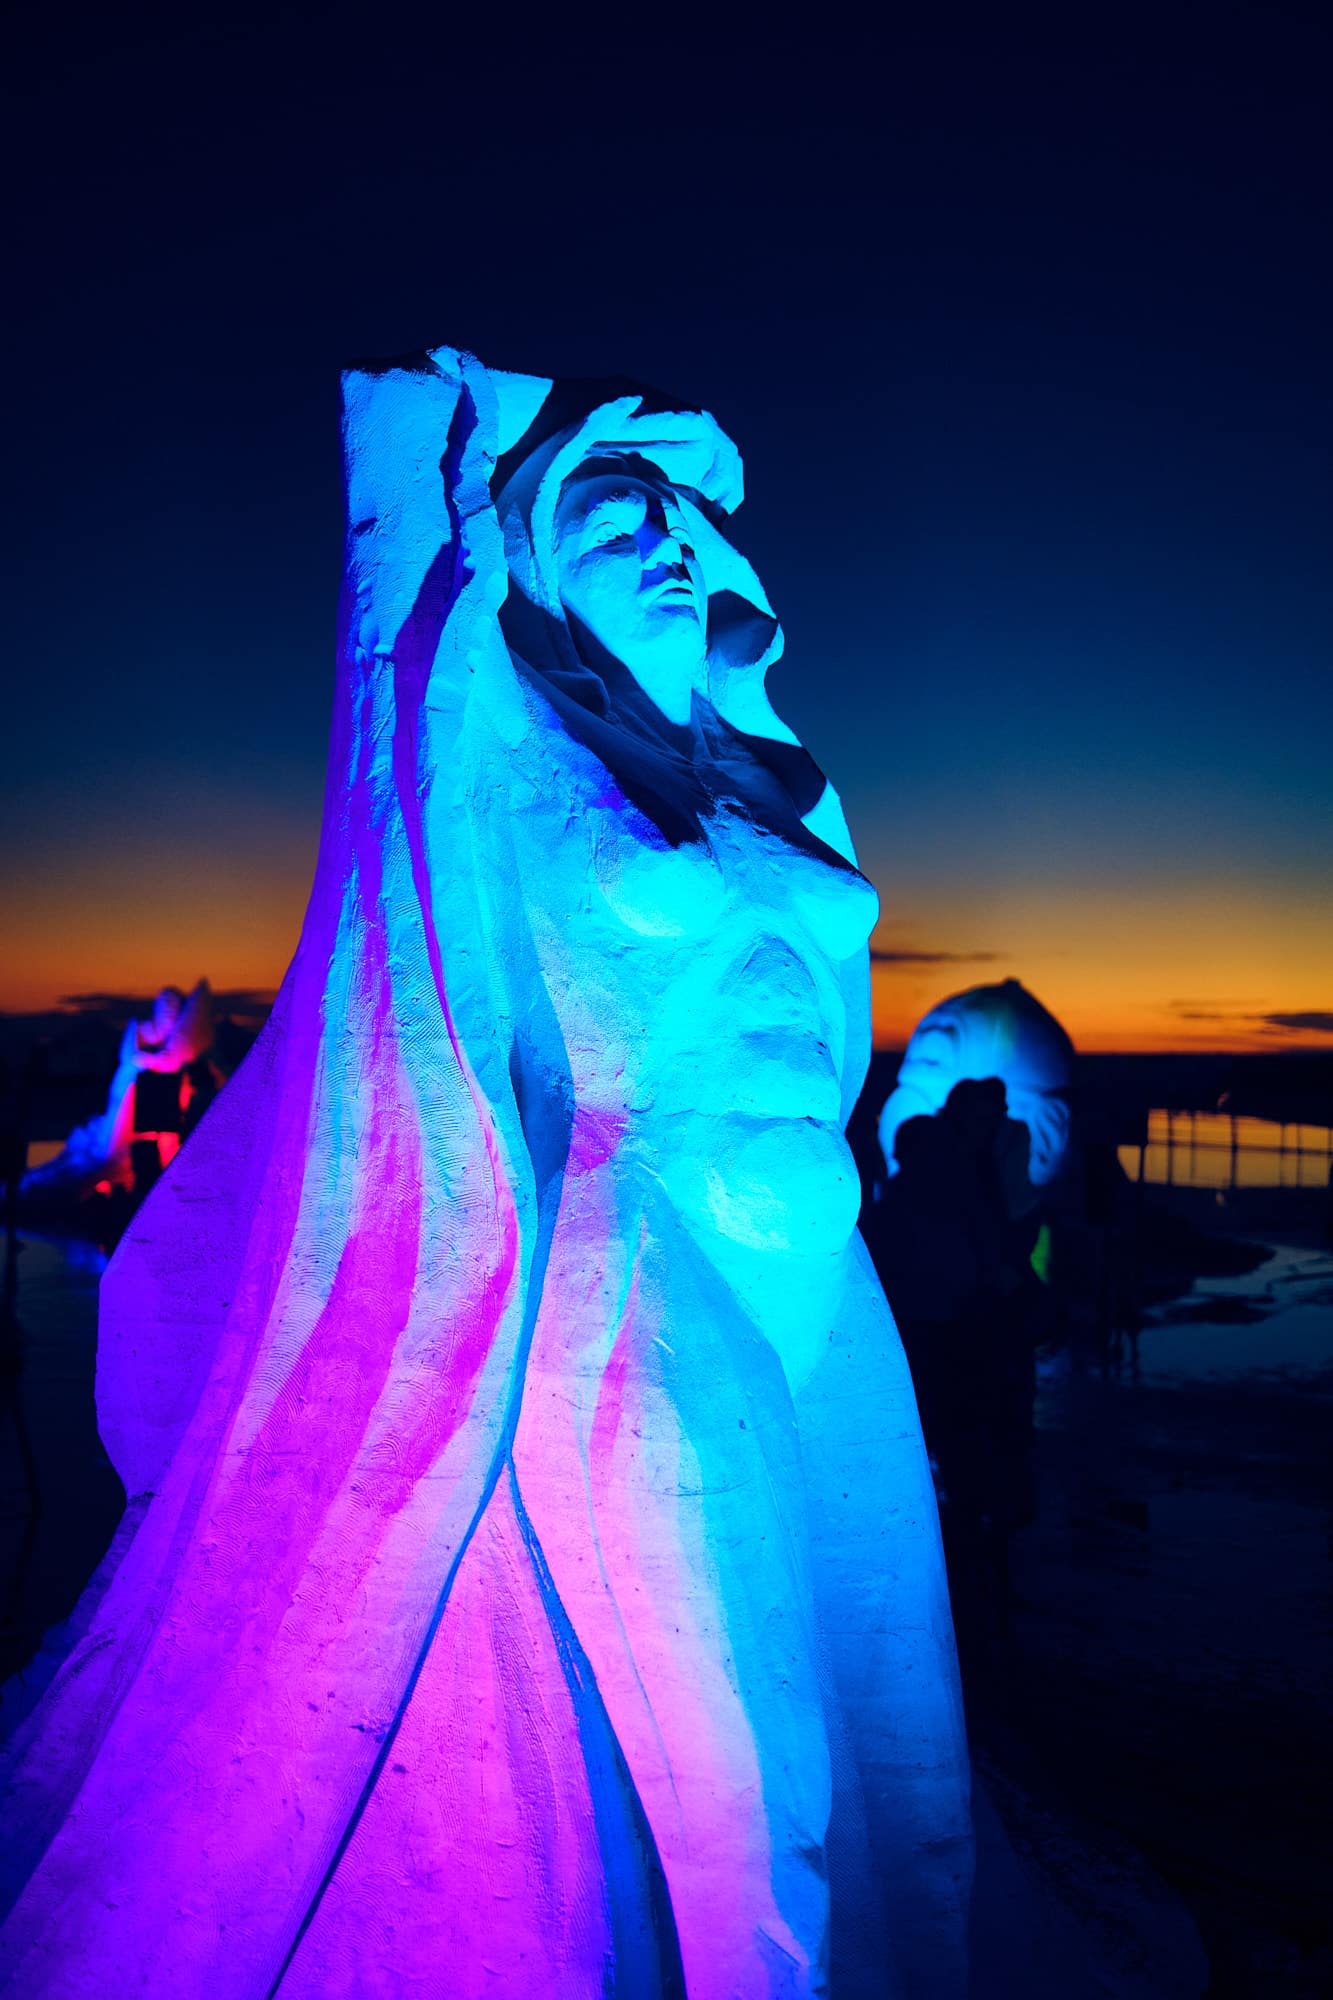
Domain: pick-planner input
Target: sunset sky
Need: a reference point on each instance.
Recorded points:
(1024, 333)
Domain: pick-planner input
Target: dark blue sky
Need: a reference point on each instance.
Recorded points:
(1023, 325)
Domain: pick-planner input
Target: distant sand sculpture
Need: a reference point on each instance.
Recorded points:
(1000, 1031)
(96, 1156)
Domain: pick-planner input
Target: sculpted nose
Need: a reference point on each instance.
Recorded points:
(662, 540)
(660, 544)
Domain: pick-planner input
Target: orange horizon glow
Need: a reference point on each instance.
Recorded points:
(1159, 967)
(1163, 966)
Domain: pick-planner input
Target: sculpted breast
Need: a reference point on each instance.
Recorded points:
(818, 897)
(654, 889)
(838, 907)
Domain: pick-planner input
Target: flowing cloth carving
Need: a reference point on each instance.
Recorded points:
(531, 1581)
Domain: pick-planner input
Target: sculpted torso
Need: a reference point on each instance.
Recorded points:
(705, 987)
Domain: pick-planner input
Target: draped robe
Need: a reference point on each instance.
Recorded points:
(530, 1581)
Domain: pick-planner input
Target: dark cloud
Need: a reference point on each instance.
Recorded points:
(252, 1003)
(249, 1001)
(934, 957)
(1301, 1021)
(1314, 1020)
(105, 1003)
(1215, 1010)
(247, 1005)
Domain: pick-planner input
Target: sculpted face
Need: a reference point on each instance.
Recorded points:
(628, 573)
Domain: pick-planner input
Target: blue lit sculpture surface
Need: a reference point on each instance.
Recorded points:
(531, 1583)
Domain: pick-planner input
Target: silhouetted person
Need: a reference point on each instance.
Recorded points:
(146, 1165)
(200, 1088)
(13, 1347)
(14, 1110)
(928, 1267)
(959, 1220)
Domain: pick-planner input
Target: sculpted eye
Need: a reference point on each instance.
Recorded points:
(615, 521)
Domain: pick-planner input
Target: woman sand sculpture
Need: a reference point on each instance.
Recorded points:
(531, 1580)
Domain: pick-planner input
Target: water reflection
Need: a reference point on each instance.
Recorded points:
(1276, 1321)
(1213, 1150)
(60, 1499)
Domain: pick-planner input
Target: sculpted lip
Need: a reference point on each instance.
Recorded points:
(674, 586)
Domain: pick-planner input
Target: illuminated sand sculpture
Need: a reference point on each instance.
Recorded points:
(531, 1583)
(1001, 1031)
(97, 1154)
